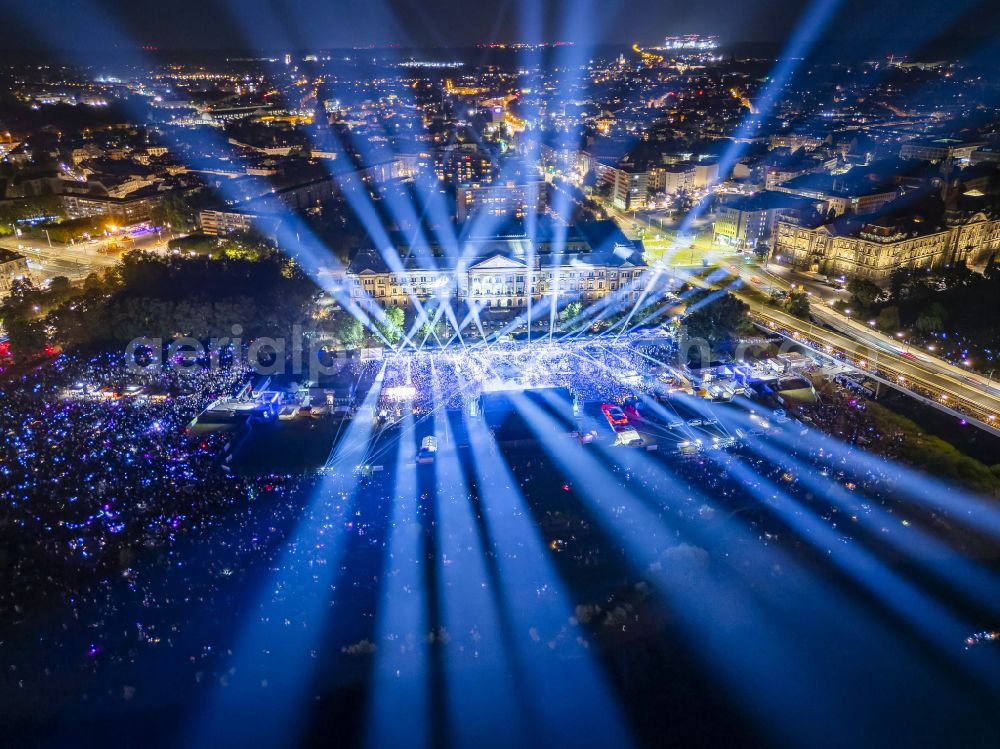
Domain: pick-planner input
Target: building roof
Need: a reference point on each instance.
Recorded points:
(767, 200)
(9, 256)
(143, 193)
(590, 244)
(886, 228)
(844, 186)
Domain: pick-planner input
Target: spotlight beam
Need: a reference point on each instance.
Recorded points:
(263, 706)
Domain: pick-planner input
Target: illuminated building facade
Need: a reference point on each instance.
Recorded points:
(874, 250)
(938, 150)
(12, 267)
(748, 223)
(503, 270)
(629, 187)
(841, 194)
(463, 165)
(510, 199)
(128, 210)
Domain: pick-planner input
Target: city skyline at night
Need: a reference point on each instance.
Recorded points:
(304, 26)
(508, 374)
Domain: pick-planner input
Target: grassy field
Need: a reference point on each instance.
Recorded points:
(302, 444)
(931, 454)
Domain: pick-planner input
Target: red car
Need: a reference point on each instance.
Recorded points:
(615, 416)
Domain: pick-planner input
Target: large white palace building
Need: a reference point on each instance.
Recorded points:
(501, 270)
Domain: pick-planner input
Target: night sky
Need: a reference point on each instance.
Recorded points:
(311, 24)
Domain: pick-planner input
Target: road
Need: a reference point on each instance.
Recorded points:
(859, 330)
(696, 251)
(872, 351)
(78, 260)
(811, 282)
(858, 342)
(923, 378)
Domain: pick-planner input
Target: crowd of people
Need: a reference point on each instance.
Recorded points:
(126, 541)
(99, 469)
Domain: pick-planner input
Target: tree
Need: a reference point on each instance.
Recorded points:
(797, 304)
(888, 319)
(864, 293)
(176, 210)
(73, 229)
(60, 285)
(932, 319)
(27, 301)
(14, 211)
(428, 330)
(250, 245)
(392, 326)
(19, 300)
(570, 313)
(900, 281)
(27, 338)
(349, 330)
(717, 321)
(148, 295)
(991, 270)
(95, 282)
